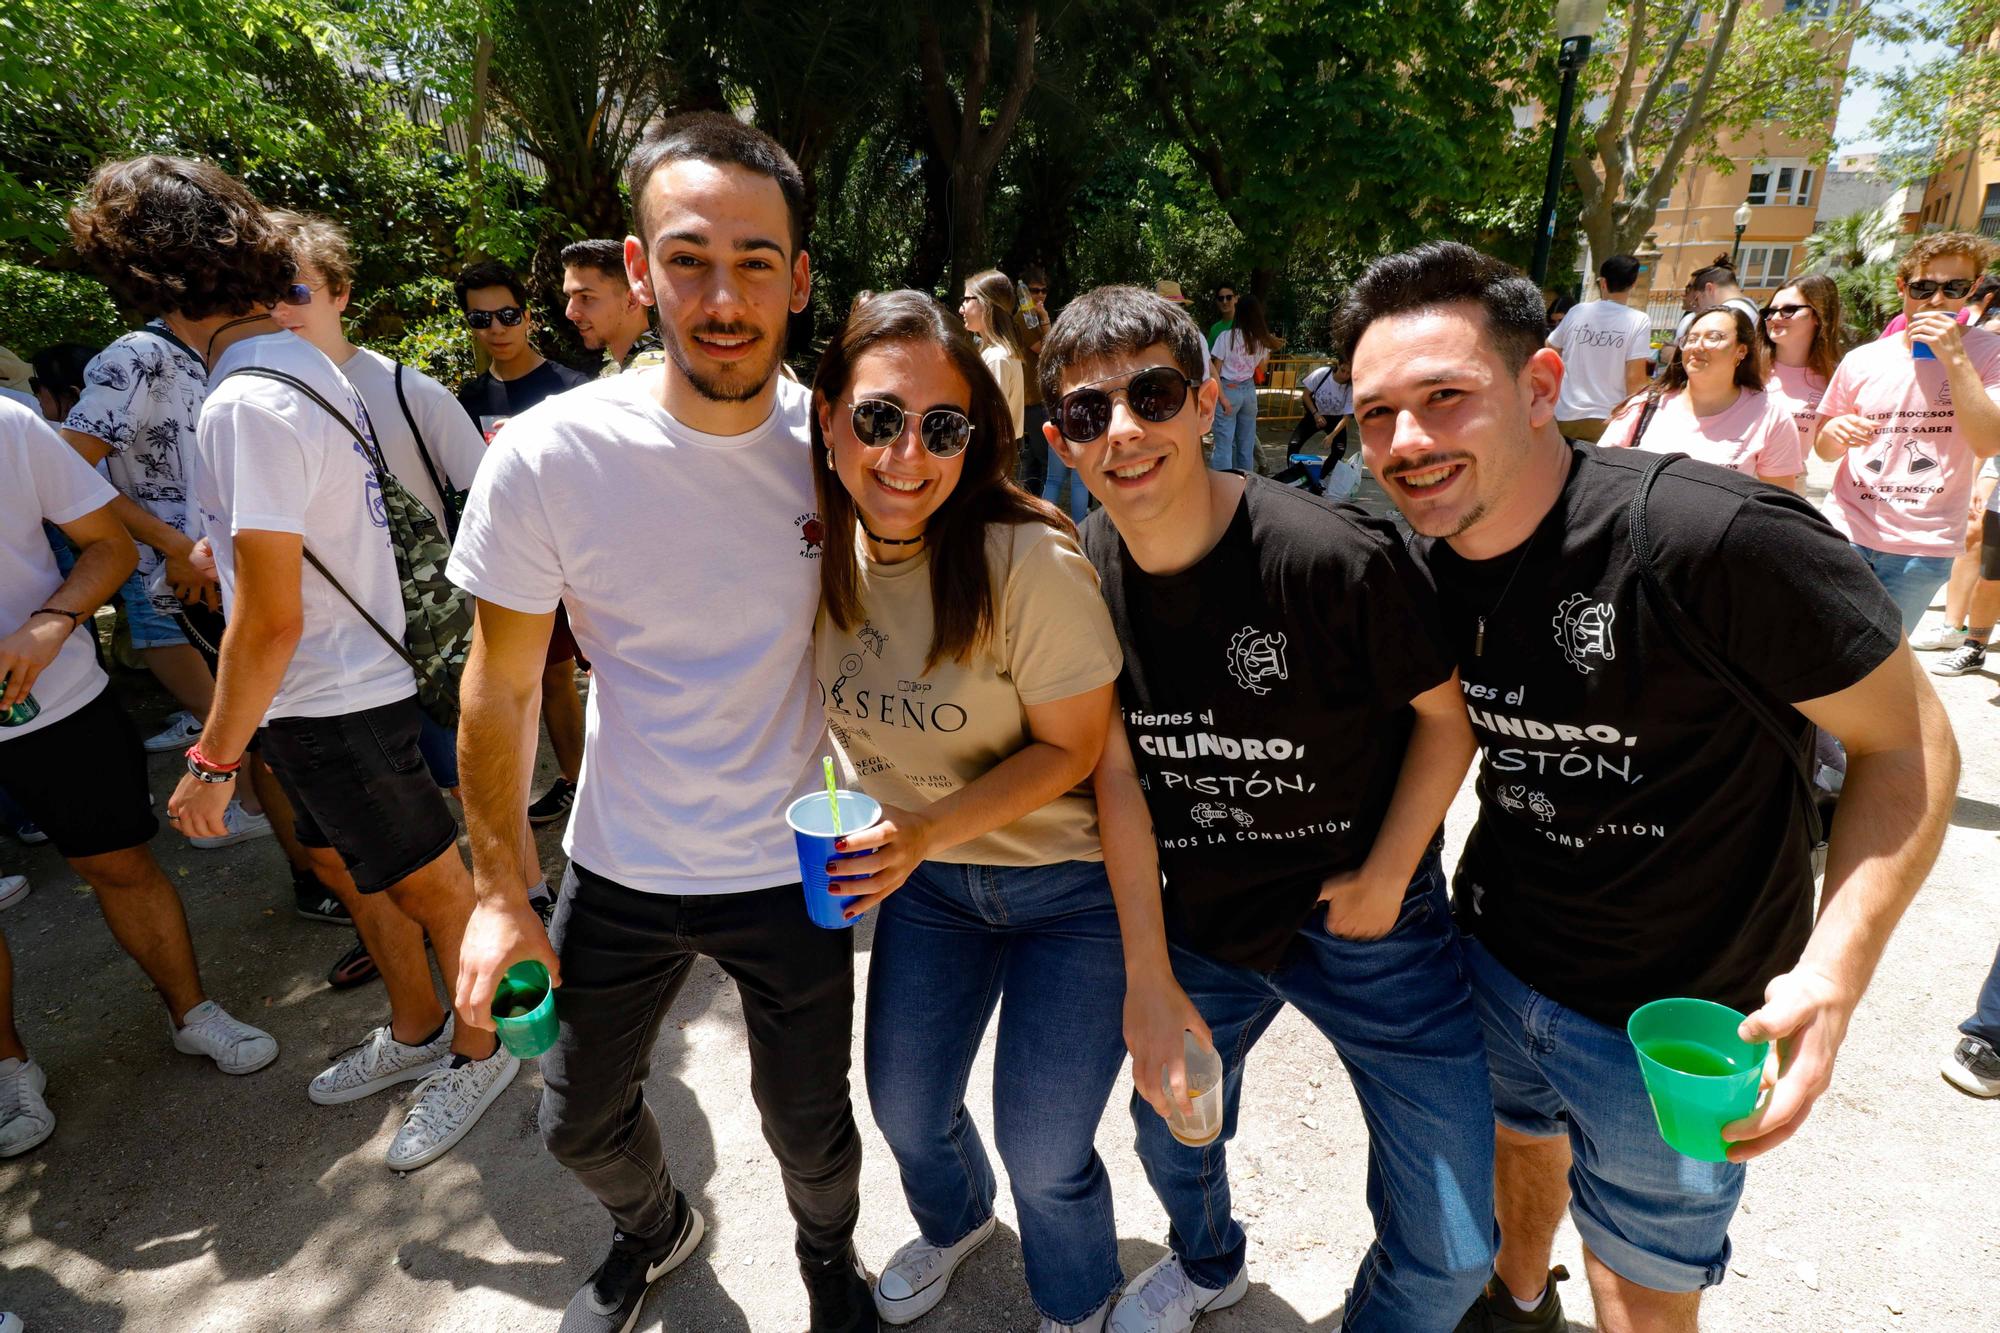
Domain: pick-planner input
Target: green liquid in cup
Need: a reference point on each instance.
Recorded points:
(1692, 1058)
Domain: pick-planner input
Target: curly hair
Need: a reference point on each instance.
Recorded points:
(176, 235)
(321, 242)
(1938, 245)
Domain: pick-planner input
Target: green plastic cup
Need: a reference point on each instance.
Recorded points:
(1699, 1073)
(524, 1010)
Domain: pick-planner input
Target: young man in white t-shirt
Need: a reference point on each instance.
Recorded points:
(285, 475)
(73, 761)
(672, 512)
(1606, 349)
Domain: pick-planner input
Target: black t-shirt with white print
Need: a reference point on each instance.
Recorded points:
(1266, 696)
(1640, 836)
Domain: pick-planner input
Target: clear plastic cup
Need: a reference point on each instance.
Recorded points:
(1698, 1072)
(812, 829)
(1204, 1088)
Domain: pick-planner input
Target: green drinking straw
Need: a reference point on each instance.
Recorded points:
(832, 793)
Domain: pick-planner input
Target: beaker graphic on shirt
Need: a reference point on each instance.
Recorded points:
(1914, 458)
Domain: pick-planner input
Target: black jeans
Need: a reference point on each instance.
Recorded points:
(625, 955)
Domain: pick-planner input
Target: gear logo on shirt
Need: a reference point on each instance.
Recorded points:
(1257, 658)
(1583, 630)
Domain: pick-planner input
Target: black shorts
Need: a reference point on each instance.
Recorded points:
(1989, 545)
(358, 784)
(83, 779)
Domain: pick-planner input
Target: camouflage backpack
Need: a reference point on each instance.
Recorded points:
(437, 614)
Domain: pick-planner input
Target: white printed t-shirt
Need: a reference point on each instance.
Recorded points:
(690, 567)
(1596, 339)
(1231, 349)
(41, 477)
(270, 459)
(1754, 435)
(142, 396)
(1907, 491)
(453, 442)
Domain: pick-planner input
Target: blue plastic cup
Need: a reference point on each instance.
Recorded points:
(1921, 351)
(812, 828)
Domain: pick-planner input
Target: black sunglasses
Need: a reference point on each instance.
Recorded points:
(1925, 288)
(1157, 393)
(1787, 311)
(509, 315)
(945, 431)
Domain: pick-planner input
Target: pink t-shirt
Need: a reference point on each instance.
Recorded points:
(1797, 390)
(1754, 435)
(1905, 492)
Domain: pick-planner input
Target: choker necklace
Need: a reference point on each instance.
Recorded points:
(208, 353)
(892, 541)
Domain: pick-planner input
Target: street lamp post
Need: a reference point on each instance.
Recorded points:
(1742, 221)
(1577, 21)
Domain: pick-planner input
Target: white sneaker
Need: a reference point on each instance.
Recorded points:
(916, 1278)
(236, 1047)
(10, 1323)
(183, 729)
(1093, 1323)
(1937, 637)
(379, 1062)
(25, 1119)
(448, 1104)
(242, 826)
(1163, 1299)
(13, 888)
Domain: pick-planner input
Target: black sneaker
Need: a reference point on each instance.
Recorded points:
(1974, 1067)
(315, 902)
(356, 967)
(1496, 1312)
(842, 1296)
(545, 908)
(1963, 660)
(554, 803)
(610, 1301)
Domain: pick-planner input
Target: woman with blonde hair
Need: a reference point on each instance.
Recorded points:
(988, 311)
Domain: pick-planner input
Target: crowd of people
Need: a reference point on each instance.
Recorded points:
(1145, 777)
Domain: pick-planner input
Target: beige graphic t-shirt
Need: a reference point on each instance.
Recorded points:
(915, 736)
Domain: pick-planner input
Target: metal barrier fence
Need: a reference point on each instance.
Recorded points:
(1279, 398)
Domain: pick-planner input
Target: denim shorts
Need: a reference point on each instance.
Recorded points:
(1653, 1216)
(150, 627)
(359, 784)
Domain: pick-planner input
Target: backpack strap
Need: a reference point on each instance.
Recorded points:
(1697, 644)
(1646, 415)
(424, 454)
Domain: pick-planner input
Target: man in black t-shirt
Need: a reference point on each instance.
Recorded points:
(1292, 733)
(1641, 835)
(496, 310)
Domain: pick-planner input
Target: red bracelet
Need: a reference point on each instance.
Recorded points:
(195, 755)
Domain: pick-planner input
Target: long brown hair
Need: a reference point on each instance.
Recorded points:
(1749, 371)
(962, 601)
(1250, 325)
(1823, 295)
(993, 290)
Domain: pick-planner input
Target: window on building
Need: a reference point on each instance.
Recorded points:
(1781, 183)
(1811, 9)
(1765, 266)
(1989, 213)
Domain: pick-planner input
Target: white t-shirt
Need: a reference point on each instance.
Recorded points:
(1007, 369)
(1596, 339)
(1330, 398)
(1238, 365)
(23, 398)
(268, 459)
(41, 477)
(142, 396)
(451, 439)
(690, 567)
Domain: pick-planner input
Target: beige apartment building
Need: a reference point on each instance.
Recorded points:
(1775, 173)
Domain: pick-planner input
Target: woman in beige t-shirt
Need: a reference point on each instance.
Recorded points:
(966, 663)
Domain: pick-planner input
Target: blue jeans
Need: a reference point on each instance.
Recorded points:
(1985, 1021)
(1400, 1017)
(1912, 580)
(149, 626)
(948, 945)
(1236, 434)
(1079, 497)
(1653, 1216)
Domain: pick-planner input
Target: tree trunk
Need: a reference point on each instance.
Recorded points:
(960, 135)
(475, 140)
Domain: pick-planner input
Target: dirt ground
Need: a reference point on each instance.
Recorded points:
(174, 1198)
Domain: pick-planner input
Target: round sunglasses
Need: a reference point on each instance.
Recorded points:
(945, 431)
(1156, 394)
(508, 315)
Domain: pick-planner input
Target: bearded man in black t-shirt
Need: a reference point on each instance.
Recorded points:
(1290, 735)
(1641, 833)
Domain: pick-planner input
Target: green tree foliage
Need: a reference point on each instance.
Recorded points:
(1682, 78)
(1936, 108)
